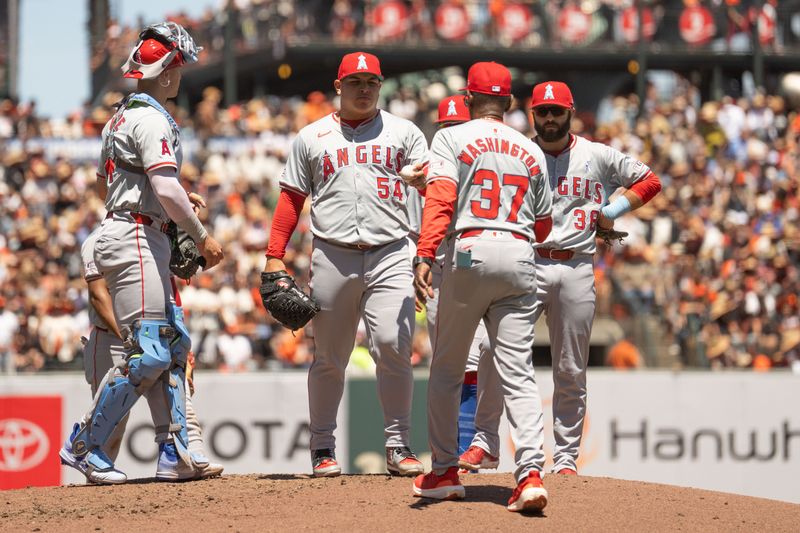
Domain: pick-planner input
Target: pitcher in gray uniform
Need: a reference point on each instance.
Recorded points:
(104, 350)
(583, 174)
(488, 191)
(140, 161)
(349, 163)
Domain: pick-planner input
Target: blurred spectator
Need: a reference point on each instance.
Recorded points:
(8, 327)
(624, 355)
(234, 349)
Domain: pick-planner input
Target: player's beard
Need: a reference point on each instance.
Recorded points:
(550, 135)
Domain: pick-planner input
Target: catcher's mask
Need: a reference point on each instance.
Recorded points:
(160, 47)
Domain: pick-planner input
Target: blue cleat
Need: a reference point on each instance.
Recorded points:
(94, 464)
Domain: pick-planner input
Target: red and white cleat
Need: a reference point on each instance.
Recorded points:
(439, 487)
(476, 458)
(324, 463)
(529, 495)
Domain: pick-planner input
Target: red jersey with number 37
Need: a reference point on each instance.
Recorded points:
(500, 175)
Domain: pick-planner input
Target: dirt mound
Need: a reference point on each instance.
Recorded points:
(381, 503)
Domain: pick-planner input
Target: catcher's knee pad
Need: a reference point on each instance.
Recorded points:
(115, 400)
(150, 354)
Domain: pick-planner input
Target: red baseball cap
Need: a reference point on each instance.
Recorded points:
(552, 93)
(359, 62)
(453, 109)
(144, 61)
(489, 78)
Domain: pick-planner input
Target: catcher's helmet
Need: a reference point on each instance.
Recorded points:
(161, 46)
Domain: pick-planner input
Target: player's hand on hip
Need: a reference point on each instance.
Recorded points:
(605, 223)
(414, 175)
(197, 202)
(423, 288)
(211, 251)
(274, 265)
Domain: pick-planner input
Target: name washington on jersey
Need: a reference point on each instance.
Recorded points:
(499, 146)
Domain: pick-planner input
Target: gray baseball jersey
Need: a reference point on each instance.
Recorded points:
(352, 175)
(502, 182)
(582, 178)
(137, 136)
(361, 266)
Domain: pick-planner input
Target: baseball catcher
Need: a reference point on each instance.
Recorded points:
(185, 258)
(285, 301)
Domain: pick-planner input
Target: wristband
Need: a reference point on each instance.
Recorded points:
(617, 208)
(417, 260)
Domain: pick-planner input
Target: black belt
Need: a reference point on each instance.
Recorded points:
(555, 255)
(127, 167)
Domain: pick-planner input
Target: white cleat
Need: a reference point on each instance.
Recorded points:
(170, 466)
(203, 466)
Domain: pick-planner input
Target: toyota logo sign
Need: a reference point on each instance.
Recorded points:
(23, 445)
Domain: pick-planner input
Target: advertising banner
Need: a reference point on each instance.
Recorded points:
(252, 423)
(733, 432)
(30, 433)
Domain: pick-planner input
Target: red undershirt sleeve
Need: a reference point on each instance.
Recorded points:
(440, 201)
(542, 227)
(647, 187)
(284, 221)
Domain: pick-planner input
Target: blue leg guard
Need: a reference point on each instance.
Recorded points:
(149, 344)
(175, 385)
(466, 416)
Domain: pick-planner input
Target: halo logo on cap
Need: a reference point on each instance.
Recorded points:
(552, 93)
(453, 109)
(359, 62)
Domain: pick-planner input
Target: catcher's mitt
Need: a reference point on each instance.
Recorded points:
(285, 301)
(609, 235)
(185, 258)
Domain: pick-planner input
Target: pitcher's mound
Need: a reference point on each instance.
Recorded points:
(382, 503)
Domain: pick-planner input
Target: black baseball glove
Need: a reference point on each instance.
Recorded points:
(185, 258)
(609, 235)
(285, 301)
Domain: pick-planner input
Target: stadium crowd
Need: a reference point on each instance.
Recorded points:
(272, 24)
(714, 257)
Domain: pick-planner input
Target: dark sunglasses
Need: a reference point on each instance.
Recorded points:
(543, 111)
